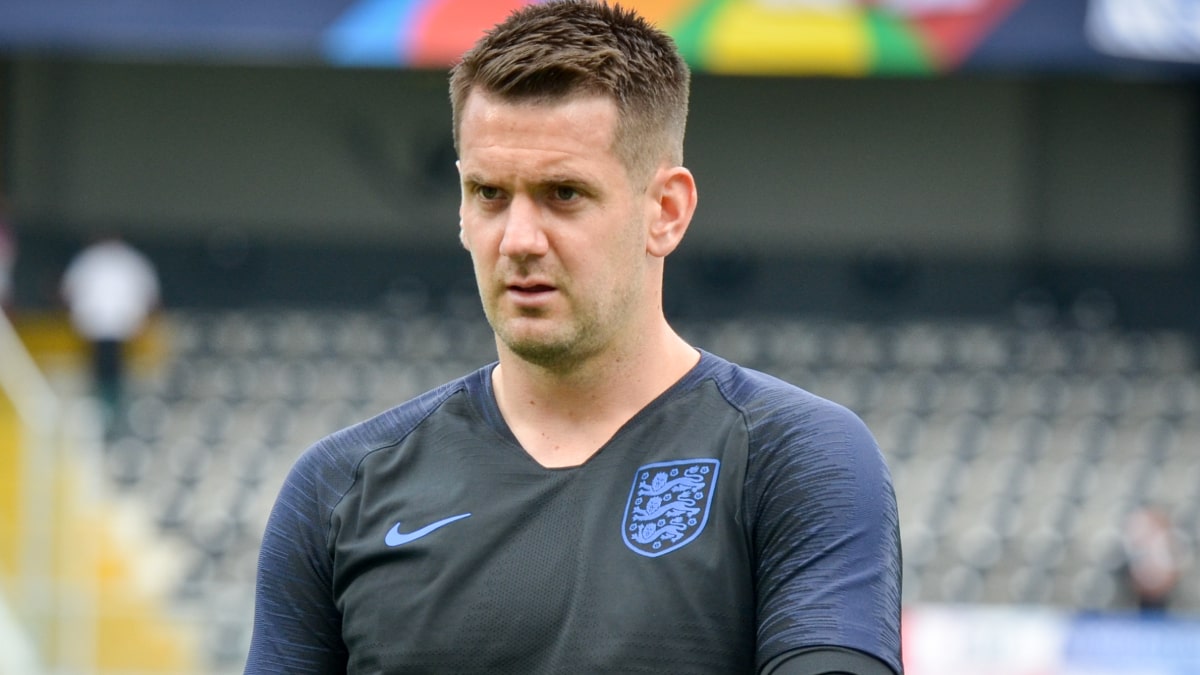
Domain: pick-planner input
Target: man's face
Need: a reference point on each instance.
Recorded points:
(556, 231)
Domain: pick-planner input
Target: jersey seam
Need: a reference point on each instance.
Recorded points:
(744, 414)
(844, 437)
(440, 400)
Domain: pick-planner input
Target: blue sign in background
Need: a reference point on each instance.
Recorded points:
(1134, 644)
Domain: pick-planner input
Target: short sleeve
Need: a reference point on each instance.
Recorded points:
(825, 533)
(297, 627)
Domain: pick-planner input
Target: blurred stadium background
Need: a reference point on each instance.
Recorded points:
(972, 221)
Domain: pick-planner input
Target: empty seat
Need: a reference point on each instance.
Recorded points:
(1015, 450)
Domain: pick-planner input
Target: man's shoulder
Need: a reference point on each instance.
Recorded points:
(781, 415)
(343, 450)
(764, 396)
(392, 425)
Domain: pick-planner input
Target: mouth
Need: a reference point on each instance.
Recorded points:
(528, 294)
(530, 289)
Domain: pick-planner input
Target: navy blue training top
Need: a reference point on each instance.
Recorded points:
(737, 524)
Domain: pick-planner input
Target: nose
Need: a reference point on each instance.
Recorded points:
(524, 235)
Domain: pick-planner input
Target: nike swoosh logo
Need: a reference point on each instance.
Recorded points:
(397, 538)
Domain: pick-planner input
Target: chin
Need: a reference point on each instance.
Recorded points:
(543, 350)
(551, 356)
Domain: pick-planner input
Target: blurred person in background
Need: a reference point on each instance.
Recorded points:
(1152, 564)
(111, 290)
(606, 498)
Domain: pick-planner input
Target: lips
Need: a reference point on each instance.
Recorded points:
(528, 283)
(529, 293)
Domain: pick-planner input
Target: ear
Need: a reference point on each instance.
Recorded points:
(674, 190)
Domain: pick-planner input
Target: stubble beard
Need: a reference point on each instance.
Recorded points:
(558, 348)
(578, 334)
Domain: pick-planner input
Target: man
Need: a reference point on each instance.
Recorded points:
(112, 291)
(606, 498)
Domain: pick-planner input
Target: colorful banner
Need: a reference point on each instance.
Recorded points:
(844, 38)
(851, 38)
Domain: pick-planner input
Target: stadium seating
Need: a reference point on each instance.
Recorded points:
(1016, 451)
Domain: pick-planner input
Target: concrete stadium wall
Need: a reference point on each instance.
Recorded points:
(960, 169)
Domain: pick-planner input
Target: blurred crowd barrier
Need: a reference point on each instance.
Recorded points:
(998, 640)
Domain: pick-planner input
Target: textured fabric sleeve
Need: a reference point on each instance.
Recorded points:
(825, 532)
(297, 627)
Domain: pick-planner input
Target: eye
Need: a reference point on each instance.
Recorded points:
(488, 192)
(565, 193)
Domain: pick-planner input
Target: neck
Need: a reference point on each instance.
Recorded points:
(562, 416)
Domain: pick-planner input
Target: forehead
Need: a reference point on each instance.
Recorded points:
(579, 129)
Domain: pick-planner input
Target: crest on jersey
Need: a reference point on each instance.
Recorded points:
(668, 505)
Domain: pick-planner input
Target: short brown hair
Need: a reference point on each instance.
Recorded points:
(553, 51)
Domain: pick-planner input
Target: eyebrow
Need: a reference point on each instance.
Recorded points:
(471, 179)
(573, 180)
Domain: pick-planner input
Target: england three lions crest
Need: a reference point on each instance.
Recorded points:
(668, 505)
